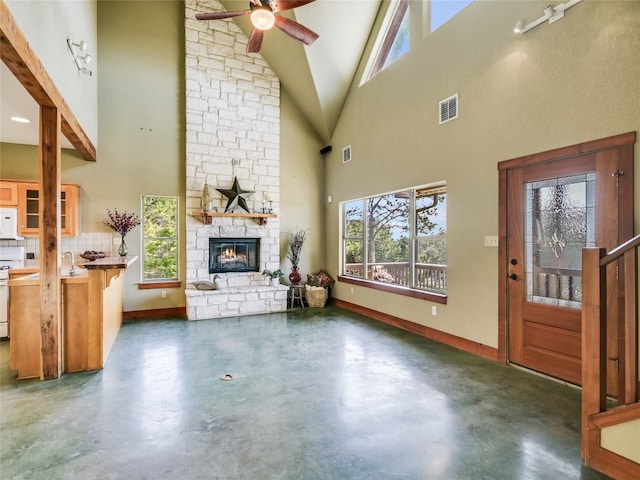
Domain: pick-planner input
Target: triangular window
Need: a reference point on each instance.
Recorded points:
(393, 41)
(444, 10)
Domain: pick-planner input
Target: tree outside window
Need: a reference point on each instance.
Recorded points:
(353, 239)
(401, 235)
(160, 238)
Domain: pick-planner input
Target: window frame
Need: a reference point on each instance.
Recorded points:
(386, 38)
(146, 284)
(413, 235)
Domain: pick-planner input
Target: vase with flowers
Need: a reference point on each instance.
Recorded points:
(296, 242)
(122, 222)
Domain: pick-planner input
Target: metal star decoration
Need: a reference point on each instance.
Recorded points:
(235, 195)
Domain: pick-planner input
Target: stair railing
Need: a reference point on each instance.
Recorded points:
(595, 414)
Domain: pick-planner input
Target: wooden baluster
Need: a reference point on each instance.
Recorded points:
(594, 342)
(631, 326)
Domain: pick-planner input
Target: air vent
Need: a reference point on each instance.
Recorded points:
(449, 109)
(346, 154)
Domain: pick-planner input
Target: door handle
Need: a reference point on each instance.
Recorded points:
(615, 359)
(513, 276)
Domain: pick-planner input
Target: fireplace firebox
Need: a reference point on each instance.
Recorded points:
(234, 255)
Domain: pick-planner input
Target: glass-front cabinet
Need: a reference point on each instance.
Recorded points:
(29, 209)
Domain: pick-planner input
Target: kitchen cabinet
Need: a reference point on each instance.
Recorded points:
(92, 303)
(8, 194)
(29, 209)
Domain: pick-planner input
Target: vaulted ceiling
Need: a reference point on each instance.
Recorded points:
(317, 77)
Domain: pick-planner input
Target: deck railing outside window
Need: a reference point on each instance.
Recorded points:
(428, 276)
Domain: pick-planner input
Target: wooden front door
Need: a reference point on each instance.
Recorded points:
(552, 206)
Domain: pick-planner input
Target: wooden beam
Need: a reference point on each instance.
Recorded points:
(17, 54)
(49, 210)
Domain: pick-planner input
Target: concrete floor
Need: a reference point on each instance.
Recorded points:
(317, 394)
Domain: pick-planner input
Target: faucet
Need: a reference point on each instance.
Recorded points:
(72, 270)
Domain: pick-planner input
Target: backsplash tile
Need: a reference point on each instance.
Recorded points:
(98, 241)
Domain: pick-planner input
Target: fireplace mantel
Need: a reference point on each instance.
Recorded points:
(207, 217)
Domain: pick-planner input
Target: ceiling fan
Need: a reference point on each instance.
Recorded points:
(264, 15)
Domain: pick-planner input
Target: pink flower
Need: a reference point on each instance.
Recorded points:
(122, 222)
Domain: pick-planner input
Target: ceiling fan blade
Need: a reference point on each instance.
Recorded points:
(221, 15)
(282, 5)
(255, 41)
(295, 30)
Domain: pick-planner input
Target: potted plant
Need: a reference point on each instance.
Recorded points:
(274, 275)
(295, 247)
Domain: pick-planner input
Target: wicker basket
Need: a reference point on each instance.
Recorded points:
(316, 296)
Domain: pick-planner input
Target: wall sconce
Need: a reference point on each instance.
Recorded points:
(81, 61)
(552, 14)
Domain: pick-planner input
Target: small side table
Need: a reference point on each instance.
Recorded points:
(296, 294)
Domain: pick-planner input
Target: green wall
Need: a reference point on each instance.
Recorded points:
(561, 84)
(141, 122)
(141, 148)
(141, 128)
(301, 187)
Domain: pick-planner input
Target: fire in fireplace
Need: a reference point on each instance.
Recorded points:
(234, 255)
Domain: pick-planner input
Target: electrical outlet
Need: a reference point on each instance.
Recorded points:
(352, 290)
(163, 294)
(434, 310)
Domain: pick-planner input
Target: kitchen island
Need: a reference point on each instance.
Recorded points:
(91, 317)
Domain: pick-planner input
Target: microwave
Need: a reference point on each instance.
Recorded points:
(9, 224)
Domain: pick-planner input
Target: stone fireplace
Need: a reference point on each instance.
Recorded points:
(228, 255)
(233, 132)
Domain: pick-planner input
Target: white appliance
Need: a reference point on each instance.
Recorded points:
(10, 257)
(9, 224)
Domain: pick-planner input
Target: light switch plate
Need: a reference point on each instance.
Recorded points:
(491, 241)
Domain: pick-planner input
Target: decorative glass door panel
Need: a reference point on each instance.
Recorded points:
(559, 223)
(555, 204)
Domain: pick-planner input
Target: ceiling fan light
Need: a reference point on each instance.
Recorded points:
(263, 18)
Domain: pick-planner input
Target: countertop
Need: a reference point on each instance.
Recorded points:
(31, 267)
(30, 274)
(108, 263)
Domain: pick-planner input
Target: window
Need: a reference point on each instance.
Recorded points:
(393, 41)
(398, 239)
(444, 10)
(159, 238)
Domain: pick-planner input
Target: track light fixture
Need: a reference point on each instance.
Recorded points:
(81, 61)
(551, 14)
